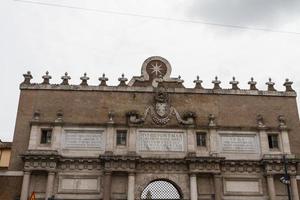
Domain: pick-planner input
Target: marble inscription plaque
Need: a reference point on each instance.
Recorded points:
(239, 143)
(242, 186)
(78, 184)
(160, 141)
(84, 139)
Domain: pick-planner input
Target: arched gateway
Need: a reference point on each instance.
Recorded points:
(161, 189)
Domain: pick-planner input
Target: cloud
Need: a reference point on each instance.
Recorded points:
(268, 13)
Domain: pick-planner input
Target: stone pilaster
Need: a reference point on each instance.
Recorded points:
(107, 185)
(218, 186)
(285, 142)
(50, 184)
(213, 140)
(110, 138)
(132, 139)
(294, 187)
(34, 136)
(56, 136)
(131, 184)
(271, 187)
(191, 140)
(263, 137)
(25, 185)
(193, 186)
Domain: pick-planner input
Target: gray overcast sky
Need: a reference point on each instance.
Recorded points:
(39, 38)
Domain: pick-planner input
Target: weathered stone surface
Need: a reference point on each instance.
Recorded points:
(161, 119)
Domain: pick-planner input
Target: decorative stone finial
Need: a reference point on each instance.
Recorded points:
(252, 84)
(288, 85)
(27, 78)
(59, 116)
(270, 85)
(211, 120)
(282, 122)
(103, 80)
(179, 80)
(234, 84)
(123, 80)
(198, 83)
(36, 115)
(65, 79)
(216, 83)
(260, 121)
(84, 80)
(46, 78)
(111, 115)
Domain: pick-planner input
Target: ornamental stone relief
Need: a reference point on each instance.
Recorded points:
(161, 111)
(161, 167)
(156, 69)
(241, 167)
(278, 168)
(79, 164)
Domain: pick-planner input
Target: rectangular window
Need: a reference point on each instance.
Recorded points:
(273, 141)
(201, 139)
(121, 137)
(46, 135)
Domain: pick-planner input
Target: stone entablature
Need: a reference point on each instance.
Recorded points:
(51, 161)
(273, 164)
(79, 164)
(40, 160)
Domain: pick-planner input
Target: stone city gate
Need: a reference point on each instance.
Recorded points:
(120, 142)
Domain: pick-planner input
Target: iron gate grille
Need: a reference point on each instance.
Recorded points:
(160, 190)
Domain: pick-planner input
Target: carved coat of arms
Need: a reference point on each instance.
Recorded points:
(161, 111)
(162, 107)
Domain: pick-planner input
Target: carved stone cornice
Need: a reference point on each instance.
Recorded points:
(273, 164)
(241, 166)
(119, 162)
(40, 160)
(41, 154)
(133, 89)
(204, 164)
(161, 164)
(79, 164)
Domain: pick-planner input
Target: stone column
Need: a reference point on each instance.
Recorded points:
(25, 185)
(271, 187)
(193, 187)
(107, 185)
(50, 183)
(294, 188)
(131, 183)
(218, 186)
